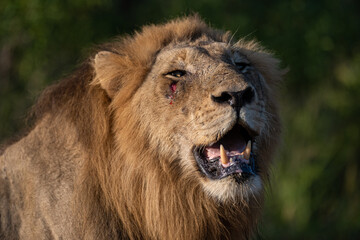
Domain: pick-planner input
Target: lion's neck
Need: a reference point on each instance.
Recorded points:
(153, 204)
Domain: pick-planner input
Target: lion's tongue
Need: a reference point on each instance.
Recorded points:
(233, 146)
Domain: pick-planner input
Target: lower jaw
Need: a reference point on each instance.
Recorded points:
(228, 189)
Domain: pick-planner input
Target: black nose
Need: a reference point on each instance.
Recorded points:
(235, 99)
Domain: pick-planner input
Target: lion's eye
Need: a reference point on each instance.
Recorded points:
(177, 73)
(242, 66)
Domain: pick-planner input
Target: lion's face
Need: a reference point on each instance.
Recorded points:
(205, 105)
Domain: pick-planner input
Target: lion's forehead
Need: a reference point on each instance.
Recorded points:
(200, 55)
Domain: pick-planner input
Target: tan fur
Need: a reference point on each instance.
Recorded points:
(110, 156)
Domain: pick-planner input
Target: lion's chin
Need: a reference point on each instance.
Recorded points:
(228, 189)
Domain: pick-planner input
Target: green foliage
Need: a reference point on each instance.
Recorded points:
(314, 194)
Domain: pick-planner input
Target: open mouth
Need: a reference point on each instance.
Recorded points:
(232, 155)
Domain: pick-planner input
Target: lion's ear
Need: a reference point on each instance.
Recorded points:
(107, 72)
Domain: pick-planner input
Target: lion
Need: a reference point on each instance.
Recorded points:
(165, 134)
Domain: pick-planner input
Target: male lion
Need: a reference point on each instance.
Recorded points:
(167, 134)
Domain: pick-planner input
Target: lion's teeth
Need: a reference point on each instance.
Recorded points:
(223, 157)
(247, 151)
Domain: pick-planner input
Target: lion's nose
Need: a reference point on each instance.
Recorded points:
(235, 99)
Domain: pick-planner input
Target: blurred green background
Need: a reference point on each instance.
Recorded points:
(314, 192)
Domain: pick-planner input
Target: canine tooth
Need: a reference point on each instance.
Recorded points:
(247, 150)
(231, 159)
(223, 157)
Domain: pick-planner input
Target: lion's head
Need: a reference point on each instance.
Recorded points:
(192, 91)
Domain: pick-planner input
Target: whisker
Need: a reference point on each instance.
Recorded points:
(232, 36)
